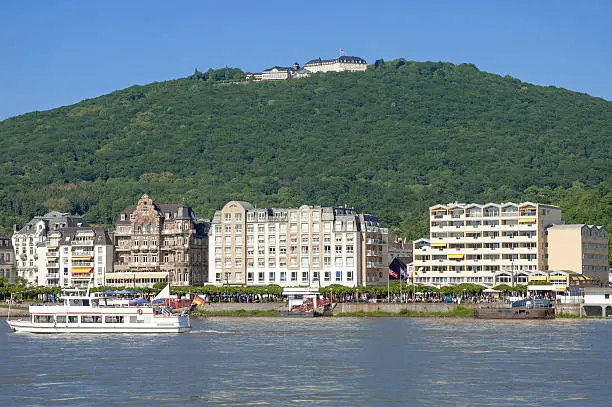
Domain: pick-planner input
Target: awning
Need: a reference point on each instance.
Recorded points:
(81, 270)
(82, 257)
(455, 256)
(527, 220)
(438, 244)
(473, 231)
(51, 247)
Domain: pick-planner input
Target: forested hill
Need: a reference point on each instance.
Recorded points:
(390, 141)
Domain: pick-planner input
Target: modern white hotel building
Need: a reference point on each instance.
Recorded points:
(307, 246)
(486, 244)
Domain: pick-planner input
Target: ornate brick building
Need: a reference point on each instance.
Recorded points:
(157, 242)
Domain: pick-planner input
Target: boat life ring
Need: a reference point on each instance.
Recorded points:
(139, 311)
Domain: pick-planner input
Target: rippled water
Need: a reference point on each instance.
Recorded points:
(316, 362)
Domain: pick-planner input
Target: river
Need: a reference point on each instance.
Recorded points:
(316, 362)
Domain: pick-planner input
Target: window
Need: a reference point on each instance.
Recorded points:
(338, 276)
(327, 261)
(260, 276)
(304, 276)
(349, 261)
(294, 276)
(283, 276)
(327, 276)
(250, 277)
(218, 277)
(338, 261)
(271, 276)
(349, 276)
(315, 276)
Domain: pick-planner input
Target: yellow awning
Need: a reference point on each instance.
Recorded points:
(455, 256)
(81, 270)
(538, 278)
(82, 257)
(527, 220)
(472, 231)
(438, 244)
(51, 247)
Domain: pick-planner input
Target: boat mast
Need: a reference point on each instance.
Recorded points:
(8, 315)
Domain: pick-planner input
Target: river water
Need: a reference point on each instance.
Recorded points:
(316, 362)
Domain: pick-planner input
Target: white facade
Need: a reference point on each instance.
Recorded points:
(276, 73)
(26, 240)
(306, 246)
(74, 257)
(484, 244)
(343, 63)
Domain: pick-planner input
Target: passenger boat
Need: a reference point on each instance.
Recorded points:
(78, 312)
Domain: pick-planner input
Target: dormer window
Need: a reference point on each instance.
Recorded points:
(123, 216)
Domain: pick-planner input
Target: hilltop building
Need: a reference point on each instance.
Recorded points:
(74, 257)
(307, 246)
(7, 259)
(26, 239)
(340, 64)
(580, 249)
(157, 243)
(486, 244)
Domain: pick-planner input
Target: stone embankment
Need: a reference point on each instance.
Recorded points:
(568, 309)
(14, 312)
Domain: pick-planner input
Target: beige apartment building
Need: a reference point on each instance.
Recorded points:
(158, 243)
(307, 246)
(580, 249)
(485, 244)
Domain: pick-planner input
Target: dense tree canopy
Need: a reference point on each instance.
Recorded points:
(390, 141)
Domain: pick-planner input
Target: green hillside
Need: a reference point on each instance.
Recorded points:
(390, 141)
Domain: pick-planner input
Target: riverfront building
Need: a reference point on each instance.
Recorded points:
(74, 257)
(580, 249)
(26, 239)
(158, 243)
(7, 259)
(307, 246)
(486, 244)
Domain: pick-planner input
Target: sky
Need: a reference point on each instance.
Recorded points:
(56, 53)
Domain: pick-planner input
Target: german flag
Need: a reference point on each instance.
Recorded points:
(197, 300)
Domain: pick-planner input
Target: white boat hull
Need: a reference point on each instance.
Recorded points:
(29, 327)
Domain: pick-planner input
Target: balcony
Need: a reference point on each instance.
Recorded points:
(82, 242)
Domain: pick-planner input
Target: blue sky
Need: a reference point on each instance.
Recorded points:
(55, 53)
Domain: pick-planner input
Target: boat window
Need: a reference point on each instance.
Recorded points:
(86, 303)
(43, 319)
(61, 319)
(91, 319)
(133, 319)
(73, 319)
(114, 319)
